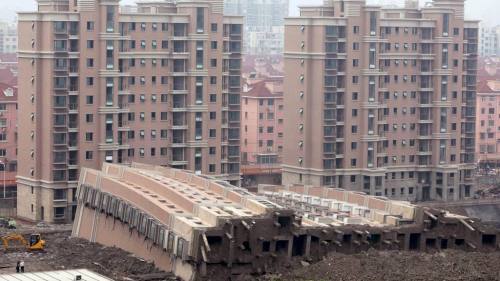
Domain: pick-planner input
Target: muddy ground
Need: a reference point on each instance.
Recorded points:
(396, 266)
(65, 252)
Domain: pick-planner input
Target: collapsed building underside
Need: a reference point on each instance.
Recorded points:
(195, 226)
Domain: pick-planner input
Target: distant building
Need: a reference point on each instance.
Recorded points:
(381, 100)
(261, 133)
(8, 140)
(489, 41)
(8, 38)
(488, 124)
(264, 21)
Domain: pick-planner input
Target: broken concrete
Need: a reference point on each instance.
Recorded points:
(199, 228)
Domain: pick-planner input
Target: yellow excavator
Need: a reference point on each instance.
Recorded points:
(35, 242)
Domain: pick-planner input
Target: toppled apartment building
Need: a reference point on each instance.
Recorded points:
(198, 227)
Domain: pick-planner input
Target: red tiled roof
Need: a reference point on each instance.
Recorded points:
(8, 57)
(8, 92)
(260, 90)
(7, 77)
(482, 87)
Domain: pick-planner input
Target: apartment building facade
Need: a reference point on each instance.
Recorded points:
(8, 38)
(488, 124)
(264, 21)
(381, 100)
(8, 141)
(262, 125)
(489, 41)
(157, 85)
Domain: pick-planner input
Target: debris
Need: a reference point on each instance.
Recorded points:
(65, 252)
(448, 265)
(304, 263)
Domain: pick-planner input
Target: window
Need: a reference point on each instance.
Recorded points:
(354, 145)
(355, 46)
(354, 96)
(213, 80)
(213, 115)
(90, 62)
(214, 27)
(354, 129)
(212, 150)
(212, 133)
(89, 118)
(355, 79)
(211, 168)
(163, 116)
(89, 155)
(89, 136)
(213, 45)
(90, 25)
(89, 81)
(213, 62)
(270, 130)
(90, 44)
(355, 29)
(90, 99)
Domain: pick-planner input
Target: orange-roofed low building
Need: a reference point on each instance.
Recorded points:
(488, 124)
(262, 132)
(8, 149)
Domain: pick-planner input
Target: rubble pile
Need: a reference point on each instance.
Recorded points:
(374, 265)
(65, 252)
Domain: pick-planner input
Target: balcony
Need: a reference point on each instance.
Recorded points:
(73, 106)
(72, 144)
(72, 161)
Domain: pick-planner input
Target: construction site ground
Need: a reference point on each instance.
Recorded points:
(64, 252)
(374, 265)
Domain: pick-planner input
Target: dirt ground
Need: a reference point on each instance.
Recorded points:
(65, 252)
(396, 266)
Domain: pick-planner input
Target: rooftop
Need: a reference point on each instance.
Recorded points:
(60, 275)
(8, 92)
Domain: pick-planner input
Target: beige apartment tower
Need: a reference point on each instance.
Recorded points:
(156, 83)
(381, 100)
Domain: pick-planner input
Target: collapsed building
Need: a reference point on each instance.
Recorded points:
(198, 227)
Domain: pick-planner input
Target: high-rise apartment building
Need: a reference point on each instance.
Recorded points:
(8, 38)
(489, 41)
(264, 21)
(160, 85)
(381, 100)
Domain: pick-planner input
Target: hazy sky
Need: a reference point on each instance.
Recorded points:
(484, 10)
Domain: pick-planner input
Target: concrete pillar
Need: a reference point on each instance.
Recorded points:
(308, 246)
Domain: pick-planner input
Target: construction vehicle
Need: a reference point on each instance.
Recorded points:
(35, 242)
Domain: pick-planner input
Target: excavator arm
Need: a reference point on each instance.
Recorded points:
(13, 237)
